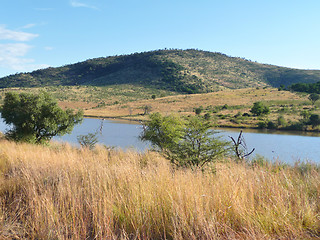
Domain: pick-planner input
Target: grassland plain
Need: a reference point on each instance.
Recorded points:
(235, 100)
(61, 192)
(227, 108)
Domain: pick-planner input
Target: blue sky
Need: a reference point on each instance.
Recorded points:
(40, 33)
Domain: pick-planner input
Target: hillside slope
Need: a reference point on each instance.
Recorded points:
(184, 71)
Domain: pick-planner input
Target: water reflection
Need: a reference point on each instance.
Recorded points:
(114, 133)
(285, 146)
(279, 146)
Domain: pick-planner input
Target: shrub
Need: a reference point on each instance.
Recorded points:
(313, 97)
(147, 109)
(297, 126)
(259, 108)
(88, 141)
(281, 121)
(314, 120)
(225, 106)
(271, 125)
(185, 142)
(198, 110)
(262, 124)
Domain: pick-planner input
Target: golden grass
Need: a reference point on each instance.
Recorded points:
(239, 100)
(186, 103)
(128, 102)
(61, 192)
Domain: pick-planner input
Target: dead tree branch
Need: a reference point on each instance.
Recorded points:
(240, 147)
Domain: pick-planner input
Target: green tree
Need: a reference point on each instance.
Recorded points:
(147, 109)
(198, 145)
(163, 131)
(281, 121)
(198, 110)
(88, 141)
(36, 118)
(314, 120)
(259, 108)
(313, 97)
(305, 115)
(281, 88)
(186, 142)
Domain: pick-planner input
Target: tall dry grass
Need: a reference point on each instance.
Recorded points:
(60, 192)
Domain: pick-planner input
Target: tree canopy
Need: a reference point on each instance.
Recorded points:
(37, 118)
(314, 120)
(306, 87)
(259, 108)
(186, 142)
(313, 97)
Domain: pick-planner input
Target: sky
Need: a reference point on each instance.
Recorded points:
(36, 34)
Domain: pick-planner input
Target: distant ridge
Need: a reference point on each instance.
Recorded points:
(184, 71)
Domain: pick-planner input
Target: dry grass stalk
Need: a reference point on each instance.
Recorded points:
(61, 192)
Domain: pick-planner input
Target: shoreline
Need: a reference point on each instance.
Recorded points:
(262, 130)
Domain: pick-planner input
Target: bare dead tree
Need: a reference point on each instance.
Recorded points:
(240, 147)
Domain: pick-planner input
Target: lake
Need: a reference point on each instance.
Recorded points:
(285, 146)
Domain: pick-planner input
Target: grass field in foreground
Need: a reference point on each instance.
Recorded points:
(60, 192)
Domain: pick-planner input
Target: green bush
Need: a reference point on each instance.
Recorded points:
(185, 142)
(262, 124)
(88, 141)
(281, 121)
(313, 97)
(271, 125)
(259, 108)
(296, 126)
(36, 118)
(198, 110)
(314, 120)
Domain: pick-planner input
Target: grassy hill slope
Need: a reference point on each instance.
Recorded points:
(183, 71)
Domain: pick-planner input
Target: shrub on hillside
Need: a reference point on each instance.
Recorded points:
(259, 108)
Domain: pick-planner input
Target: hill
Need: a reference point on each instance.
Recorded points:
(183, 71)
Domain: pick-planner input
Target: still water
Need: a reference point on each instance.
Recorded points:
(284, 146)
